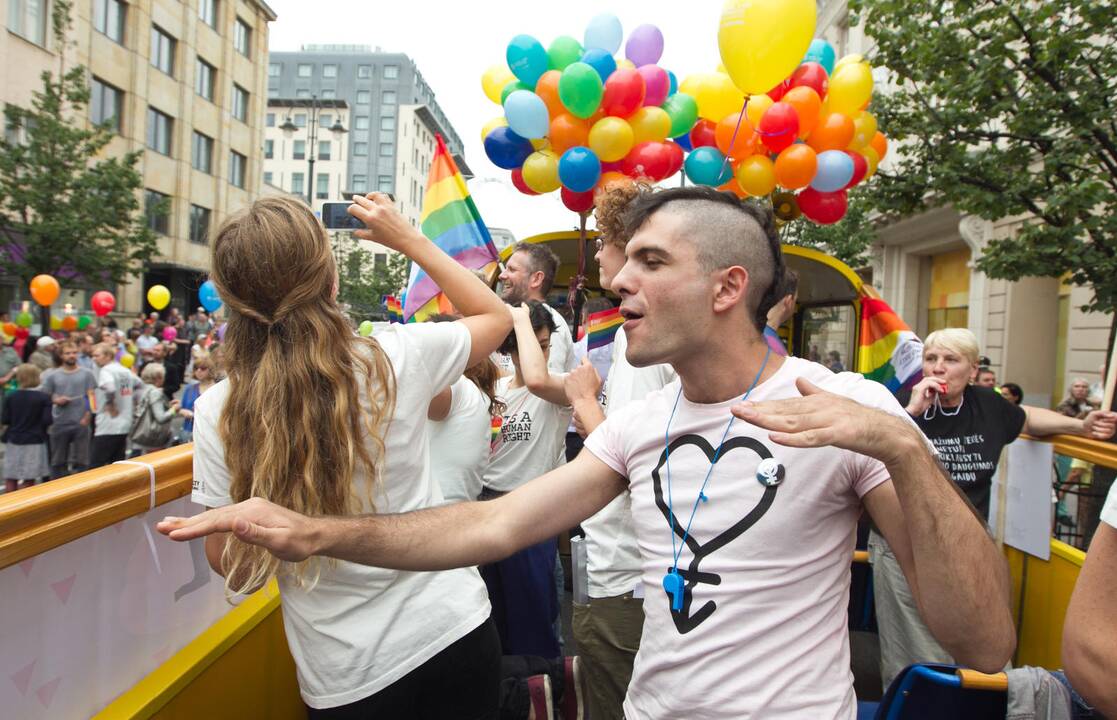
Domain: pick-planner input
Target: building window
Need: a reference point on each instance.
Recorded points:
(267, 178)
(28, 19)
(275, 69)
(269, 149)
(360, 148)
(162, 50)
(364, 71)
(388, 122)
(300, 120)
(324, 149)
(329, 94)
(297, 183)
(388, 97)
(270, 119)
(157, 208)
(360, 122)
(201, 152)
(302, 93)
(305, 71)
(238, 165)
(204, 75)
(106, 104)
(199, 224)
(242, 35)
(329, 71)
(325, 120)
(322, 191)
(160, 130)
(380, 260)
(299, 148)
(273, 92)
(207, 11)
(240, 103)
(386, 150)
(384, 183)
(360, 183)
(108, 17)
(391, 72)
(364, 97)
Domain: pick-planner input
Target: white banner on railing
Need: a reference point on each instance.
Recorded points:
(84, 622)
(1027, 515)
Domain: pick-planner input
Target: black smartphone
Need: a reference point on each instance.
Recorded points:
(335, 216)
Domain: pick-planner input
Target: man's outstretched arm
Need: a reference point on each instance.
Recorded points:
(469, 533)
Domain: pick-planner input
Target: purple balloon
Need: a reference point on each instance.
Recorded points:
(656, 83)
(644, 46)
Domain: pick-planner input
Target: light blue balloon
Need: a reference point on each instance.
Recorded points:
(706, 166)
(674, 88)
(822, 53)
(207, 295)
(527, 59)
(527, 114)
(579, 169)
(835, 170)
(604, 32)
(600, 61)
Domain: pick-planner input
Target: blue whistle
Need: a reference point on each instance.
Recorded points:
(673, 584)
(702, 496)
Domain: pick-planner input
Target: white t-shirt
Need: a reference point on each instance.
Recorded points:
(362, 628)
(532, 436)
(763, 632)
(146, 342)
(612, 555)
(1109, 510)
(561, 359)
(116, 385)
(460, 443)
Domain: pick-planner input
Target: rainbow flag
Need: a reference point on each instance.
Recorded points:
(395, 310)
(889, 351)
(603, 327)
(451, 220)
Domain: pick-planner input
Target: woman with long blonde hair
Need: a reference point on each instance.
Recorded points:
(320, 420)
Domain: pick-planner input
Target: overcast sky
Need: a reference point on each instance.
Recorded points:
(452, 43)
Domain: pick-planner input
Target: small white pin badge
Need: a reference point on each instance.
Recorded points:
(769, 472)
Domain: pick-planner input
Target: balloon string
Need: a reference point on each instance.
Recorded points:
(733, 139)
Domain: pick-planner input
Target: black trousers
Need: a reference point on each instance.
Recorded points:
(107, 449)
(462, 681)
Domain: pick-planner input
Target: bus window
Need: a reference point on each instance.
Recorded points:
(829, 336)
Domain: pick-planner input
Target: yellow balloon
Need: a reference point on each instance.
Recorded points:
(763, 41)
(626, 64)
(757, 175)
(864, 128)
(611, 138)
(649, 124)
(493, 81)
(127, 360)
(158, 296)
(873, 160)
(540, 171)
(55, 322)
(492, 125)
(540, 143)
(851, 86)
(715, 94)
(758, 105)
(851, 58)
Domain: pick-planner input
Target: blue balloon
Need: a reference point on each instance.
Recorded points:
(674, 88)
(527, 114)
(506, 149)
(604, 32)
(706, 166)
(579, 169)
(207, 295)
(600, 61)
(683, 141)
(527, 59)
(835, 170)
(822, 53)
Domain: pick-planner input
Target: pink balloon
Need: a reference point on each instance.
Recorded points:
(169, 334)
(656, 84)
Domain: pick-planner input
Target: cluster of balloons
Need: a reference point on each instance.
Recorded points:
(576, 117)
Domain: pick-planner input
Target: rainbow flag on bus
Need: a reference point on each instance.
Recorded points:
(601, 327)
(889, 351)
(451, 220)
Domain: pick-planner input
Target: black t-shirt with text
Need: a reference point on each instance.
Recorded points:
(970, 442)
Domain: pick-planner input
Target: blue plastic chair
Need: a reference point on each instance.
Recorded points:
(933, 692)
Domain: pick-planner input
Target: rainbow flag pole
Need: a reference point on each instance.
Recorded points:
(601, 327)
(889, 352)
(451, 221)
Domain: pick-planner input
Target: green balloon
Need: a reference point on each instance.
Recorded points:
(683, 111)
(24, 319)
(512, 87)
(365, 328)
(563, 51)
(84, 322)
(580, 89)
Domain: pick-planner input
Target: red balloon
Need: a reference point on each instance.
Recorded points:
(704, 133)
(22, 333)
(518, 181)
(102, 302)
(676, 157)
(617, 166)
(812, 75)
(860, 167)
(624, 93)
(779, 127)
(778, 91)
(579, 202)
(652, 160)
(823, 208)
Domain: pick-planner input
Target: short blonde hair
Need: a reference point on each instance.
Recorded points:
(28, 375)
(152, 372)
(957, 340)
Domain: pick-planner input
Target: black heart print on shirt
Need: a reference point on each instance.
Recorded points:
(684, 621)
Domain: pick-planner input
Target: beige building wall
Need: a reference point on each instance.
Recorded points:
(415, 147)
(127, 66)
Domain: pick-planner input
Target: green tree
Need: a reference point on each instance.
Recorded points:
(65, 210)
(1005, 109)
(362, 283)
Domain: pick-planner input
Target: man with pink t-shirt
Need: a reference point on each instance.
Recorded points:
(744, 512)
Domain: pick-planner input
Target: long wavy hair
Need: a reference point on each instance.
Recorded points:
(484, 374)
(309, 400)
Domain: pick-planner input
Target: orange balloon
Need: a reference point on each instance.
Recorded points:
(833, 132)
(608, 177)
(69, 323)
(746, 141)
(44, 289)
(880, 144)
(796, 166)
(547, 90)
(10, 329)
(807, 106)
(568, 131)
(734, 188)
